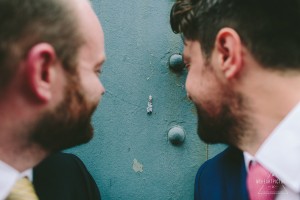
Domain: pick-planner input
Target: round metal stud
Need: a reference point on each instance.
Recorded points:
(176, 135)
(176, 62)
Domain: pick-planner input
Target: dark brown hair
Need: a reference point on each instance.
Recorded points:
(24, 23)
(268, 28)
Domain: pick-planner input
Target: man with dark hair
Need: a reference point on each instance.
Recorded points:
(243, 61)
(51, 54)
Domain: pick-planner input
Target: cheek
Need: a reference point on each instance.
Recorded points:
(92, 87)
(202, 88)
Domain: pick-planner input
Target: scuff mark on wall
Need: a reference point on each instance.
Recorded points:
(137, 167)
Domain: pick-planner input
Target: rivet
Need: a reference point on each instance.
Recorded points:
(176, 135)
(176, 62)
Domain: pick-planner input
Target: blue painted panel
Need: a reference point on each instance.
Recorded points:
(130, 156)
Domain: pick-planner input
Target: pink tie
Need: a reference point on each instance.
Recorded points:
(261, 184)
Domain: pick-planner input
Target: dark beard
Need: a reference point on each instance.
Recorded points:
(68, 125)
(228, 126)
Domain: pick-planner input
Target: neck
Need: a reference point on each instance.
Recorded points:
(22, 158)
(271, 97)
(16, 148)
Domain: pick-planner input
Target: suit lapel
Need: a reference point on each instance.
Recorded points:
(236, 176)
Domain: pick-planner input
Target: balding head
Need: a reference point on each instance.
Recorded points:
(25, 23)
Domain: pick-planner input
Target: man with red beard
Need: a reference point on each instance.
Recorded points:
(51, 54)
(243, 61)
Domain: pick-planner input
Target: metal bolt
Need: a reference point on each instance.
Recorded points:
(176, 62)
(176, 135)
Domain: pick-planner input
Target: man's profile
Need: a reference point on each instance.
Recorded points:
(51, 54)
(243, 60)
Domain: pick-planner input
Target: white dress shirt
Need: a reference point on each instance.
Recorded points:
(280, 154)
(8, 177)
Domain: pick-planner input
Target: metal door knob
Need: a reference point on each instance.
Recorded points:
(176, 135)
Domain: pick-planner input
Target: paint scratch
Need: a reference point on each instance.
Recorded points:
(137, 167)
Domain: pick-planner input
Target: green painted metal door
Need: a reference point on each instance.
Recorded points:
(130, 156)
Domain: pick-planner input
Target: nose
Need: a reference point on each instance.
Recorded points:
(188, 96)
(101, 88)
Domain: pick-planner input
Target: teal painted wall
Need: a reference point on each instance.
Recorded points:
(139, 42)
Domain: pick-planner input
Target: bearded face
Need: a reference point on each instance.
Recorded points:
(227, 124)
(222, 112)
(69, 124)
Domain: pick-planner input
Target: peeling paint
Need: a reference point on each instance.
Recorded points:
(137, 167)
(150, 106)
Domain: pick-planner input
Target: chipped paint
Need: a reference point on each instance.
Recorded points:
(150, 106)
(137, 167)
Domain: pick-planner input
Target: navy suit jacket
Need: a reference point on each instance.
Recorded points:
(222, 177)
(63, 176)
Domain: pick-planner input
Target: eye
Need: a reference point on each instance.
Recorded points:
(187, 66)
(99, 71)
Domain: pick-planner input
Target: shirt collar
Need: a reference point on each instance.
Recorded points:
(9, 176)
(248, 158)
(280, 152)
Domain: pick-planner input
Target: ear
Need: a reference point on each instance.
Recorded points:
(40, 62)
(229, 51)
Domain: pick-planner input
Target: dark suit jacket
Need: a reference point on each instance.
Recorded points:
(222, 177)
(63, 176)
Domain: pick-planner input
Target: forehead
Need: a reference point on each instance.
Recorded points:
(89, 27)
